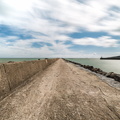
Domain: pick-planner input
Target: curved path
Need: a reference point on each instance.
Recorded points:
(62, 92)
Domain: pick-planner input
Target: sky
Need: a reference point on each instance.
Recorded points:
(59, 28)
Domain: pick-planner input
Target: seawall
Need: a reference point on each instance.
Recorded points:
(13, 74)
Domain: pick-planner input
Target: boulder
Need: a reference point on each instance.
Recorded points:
(100, 72)
(84, 66)
(90, 67)
(109, 74)
(97, 70)
(104, 73)
(10, 61)
(79, 64)
(112, 75)
(117, 77)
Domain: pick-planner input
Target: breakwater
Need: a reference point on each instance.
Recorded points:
(62, 92)
(113, 75)
(12, 74)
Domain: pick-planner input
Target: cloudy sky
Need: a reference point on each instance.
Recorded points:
(59, 28)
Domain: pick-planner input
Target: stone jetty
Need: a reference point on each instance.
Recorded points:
(57, 90)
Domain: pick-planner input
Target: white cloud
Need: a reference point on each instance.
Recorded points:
(56, 18)
(104, 41)
(22, 48)
(53, 16)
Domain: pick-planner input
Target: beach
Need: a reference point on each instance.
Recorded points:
(62, 91)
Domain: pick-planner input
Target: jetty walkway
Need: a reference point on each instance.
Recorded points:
(62, 92)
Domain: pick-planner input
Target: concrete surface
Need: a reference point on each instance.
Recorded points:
(4, 85)
(62, 92)
(13, 74)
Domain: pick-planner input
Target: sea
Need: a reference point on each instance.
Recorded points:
(105, 65)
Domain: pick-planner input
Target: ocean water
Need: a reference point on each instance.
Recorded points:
(5, 60)
(105, 65)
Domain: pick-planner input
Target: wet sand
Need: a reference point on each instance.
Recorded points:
(62, 92)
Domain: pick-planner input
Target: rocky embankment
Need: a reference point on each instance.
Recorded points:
(113, 75)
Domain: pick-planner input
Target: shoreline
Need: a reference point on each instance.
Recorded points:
(112, 75)
(109, 81)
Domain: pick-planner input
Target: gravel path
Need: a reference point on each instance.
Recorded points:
(62, 92)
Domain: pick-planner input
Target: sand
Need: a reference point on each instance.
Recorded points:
(62, 92)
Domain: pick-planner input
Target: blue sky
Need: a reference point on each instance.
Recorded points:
(59, 28)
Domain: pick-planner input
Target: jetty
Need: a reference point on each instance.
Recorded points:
(54, 89)
(111, 58)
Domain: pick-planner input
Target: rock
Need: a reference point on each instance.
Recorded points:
(117, 77)
(99, 71)
(96, 70)
(90, 67)
(112, 75)
(109, 74)
(84, 66)
(104, 73)
(79, 64)
(10, 61)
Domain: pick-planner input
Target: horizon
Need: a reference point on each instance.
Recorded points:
(59, 29)
(44, 58)
(56, 57)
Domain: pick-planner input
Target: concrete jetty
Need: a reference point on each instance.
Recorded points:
(61, 91)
